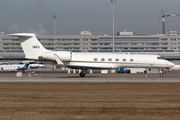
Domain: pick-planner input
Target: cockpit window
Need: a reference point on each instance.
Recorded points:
(159, 58)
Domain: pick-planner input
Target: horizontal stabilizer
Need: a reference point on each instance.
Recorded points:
(22, 34)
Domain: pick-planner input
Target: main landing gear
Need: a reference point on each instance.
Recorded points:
(83, 72)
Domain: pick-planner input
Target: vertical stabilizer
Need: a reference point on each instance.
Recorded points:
(25, 67)
(31, 46)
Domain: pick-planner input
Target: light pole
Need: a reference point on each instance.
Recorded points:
(54, 17)
(113, 2)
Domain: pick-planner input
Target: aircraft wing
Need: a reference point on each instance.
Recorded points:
(88, 67)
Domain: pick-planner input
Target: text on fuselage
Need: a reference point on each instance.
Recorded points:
(36, 47)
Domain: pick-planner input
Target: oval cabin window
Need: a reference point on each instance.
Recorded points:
(124, 59)
(95, 59)
(117, 59)
(102, 59)
(110, 59)
(131, 60)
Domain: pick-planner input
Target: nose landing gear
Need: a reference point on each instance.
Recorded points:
(161, 73)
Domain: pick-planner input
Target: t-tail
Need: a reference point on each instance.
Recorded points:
(25, 67)
(32, 48)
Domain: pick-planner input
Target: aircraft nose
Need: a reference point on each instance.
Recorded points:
(170, 64)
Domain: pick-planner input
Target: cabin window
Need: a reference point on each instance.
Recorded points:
(110, 59)
(131, 60)
(102, 59)
(124, 59)
(95, 59)
(117, 59)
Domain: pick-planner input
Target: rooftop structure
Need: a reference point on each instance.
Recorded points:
(85, 33)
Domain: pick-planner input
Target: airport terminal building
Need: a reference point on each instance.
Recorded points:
(168, 46)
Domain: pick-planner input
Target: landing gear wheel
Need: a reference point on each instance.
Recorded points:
(81, 74)
(161, 75)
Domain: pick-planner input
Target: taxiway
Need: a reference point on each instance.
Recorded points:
(91, 79)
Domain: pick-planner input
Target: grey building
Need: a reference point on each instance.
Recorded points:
(168, 46)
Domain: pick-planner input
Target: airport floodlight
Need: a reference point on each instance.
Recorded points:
(54, 17)
(113, 2)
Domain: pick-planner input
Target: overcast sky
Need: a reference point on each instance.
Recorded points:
(74, 16)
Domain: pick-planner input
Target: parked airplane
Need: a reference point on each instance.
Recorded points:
(175, 67)
(21, 62)
(15, 67)
(36, 65)
(34, 50)
(20, 67)
(17, 62)
(32, 64)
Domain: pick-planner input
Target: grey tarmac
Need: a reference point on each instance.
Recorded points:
(91, 79)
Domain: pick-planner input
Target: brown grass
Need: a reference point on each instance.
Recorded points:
(89, 101)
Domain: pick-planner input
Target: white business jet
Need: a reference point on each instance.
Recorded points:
(34, 50)
(36, 65)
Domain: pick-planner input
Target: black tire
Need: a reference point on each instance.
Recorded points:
(81, 74)
(161, 75)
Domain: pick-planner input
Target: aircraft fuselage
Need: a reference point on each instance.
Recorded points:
(107, 60)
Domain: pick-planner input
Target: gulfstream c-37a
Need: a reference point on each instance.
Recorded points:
(34, 50)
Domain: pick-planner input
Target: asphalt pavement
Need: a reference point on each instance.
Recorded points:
(94, 79)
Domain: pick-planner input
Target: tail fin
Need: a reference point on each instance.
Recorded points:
(24, 67)
(31, 46)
